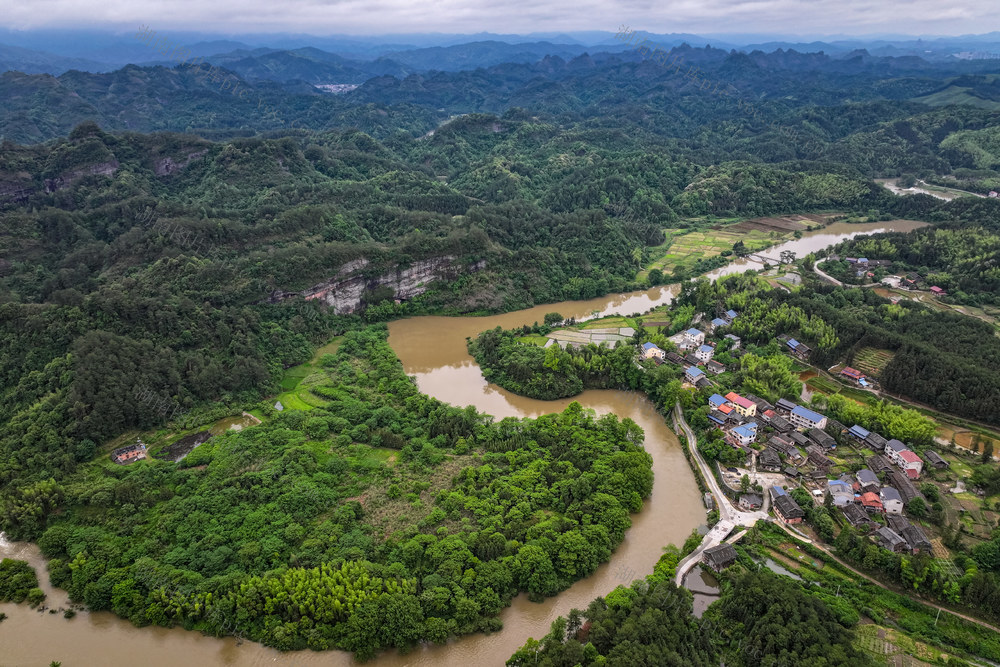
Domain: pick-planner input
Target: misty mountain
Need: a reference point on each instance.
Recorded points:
(16, 59)
(487, 54)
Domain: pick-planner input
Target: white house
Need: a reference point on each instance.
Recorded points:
(689, 339)
(893, 448)
(805, 418)
(891, 500)
(744, 435)
(704, 353)
(911, 464)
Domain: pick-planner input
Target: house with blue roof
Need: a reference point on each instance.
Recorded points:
(805, 418)
(858, 432)
(704, 353)
(731, 315)
(743, 435)
(651, 351)
(800, 350)
(715, 400)
(693, 374)
(690, 339)
(718, 322)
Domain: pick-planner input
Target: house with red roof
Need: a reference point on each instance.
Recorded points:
(911, 464)
(871, 502)
(744, 406)
(937, 290)
(852, 373)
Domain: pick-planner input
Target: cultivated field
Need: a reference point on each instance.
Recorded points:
(684, 247)
(871, 360)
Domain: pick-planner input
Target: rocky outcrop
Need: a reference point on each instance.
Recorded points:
(166, 166)
(61, 181)
(15, 193)
(344, 291)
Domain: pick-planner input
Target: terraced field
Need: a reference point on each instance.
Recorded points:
(871, 360)
(295, 383)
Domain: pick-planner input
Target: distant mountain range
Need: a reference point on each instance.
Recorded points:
(391, 95)
(351, 59)
(13, 58)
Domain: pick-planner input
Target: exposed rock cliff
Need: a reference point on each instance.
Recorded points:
(344, 291)
(166, 166)
(61, 181)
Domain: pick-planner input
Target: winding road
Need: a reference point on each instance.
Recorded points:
(827, 276)
(729, 516)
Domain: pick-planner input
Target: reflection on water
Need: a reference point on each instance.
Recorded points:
(702, 583)
(778, 568)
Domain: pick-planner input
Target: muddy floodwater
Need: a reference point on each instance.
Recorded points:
(432, 350)
(702, 582)
(817, 240)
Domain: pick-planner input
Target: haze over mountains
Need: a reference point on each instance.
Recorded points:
(57, 51)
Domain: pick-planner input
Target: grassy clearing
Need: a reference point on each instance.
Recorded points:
(609, 323)
(825, 385)
(684, 248)
(405, 499)
(291, 401)
(533, 340)
(295, 394)
(890, 645)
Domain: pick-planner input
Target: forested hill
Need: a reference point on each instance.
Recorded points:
(709, 95)
(142, 261)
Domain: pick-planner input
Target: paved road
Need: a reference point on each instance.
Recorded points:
(712, 539)
(729, 516)
(822, 274)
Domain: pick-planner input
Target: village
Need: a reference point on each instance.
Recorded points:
(788, 448)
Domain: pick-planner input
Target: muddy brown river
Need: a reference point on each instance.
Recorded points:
(432, 350)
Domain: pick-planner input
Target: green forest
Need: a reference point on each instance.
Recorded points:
(761, 619)
(168, 251)
(381, 519)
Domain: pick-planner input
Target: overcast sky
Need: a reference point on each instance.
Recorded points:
(781, 17)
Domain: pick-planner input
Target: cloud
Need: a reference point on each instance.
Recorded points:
(381, 17)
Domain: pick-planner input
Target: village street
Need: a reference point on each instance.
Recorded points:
(729, 516)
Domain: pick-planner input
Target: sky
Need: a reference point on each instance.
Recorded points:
(803, 18)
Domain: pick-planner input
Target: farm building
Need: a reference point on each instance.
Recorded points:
(935, 459)
(822, 438)
(720, 557)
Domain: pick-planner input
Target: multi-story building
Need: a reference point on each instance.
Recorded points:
(805, 418)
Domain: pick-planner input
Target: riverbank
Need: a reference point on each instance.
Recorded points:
(432, 349)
